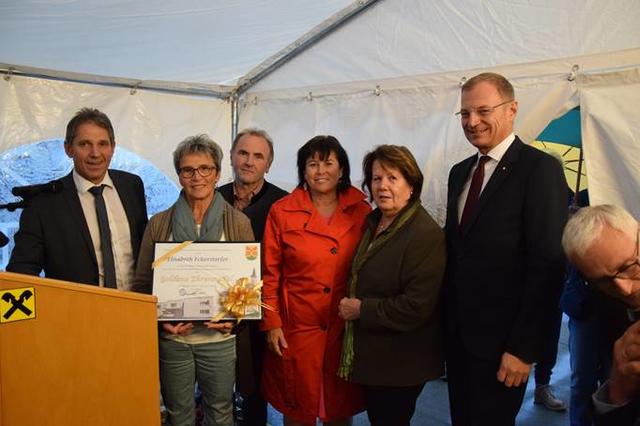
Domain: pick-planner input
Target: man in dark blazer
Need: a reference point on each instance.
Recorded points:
(603, 242)
(506, 210)
(251, 158)
(60, 232)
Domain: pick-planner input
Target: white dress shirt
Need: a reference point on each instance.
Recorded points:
(118, 224)
(495, 155)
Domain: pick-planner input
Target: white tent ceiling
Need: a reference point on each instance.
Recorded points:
(398, 38)
(196, 41)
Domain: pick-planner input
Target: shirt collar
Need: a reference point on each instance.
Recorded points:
(498, 151)
(83, 185)
(252, 194)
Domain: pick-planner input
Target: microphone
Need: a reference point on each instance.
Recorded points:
(54, 187)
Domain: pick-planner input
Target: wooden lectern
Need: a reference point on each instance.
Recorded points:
(89, 357)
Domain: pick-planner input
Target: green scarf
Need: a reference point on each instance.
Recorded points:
(368, 246)
(183, 226)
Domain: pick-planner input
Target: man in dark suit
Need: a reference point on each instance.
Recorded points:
(603, 242)
(90, 232)
(251, 157)
(505, 213)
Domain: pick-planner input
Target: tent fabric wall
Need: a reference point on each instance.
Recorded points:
(611, 137)
(416, 111)
(148, 123)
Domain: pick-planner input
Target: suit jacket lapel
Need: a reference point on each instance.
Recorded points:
(503, 169)
(457, 184)
(76, 212)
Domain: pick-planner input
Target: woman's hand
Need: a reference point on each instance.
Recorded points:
(349, 308)
(276, 341)
(182, 328)
(222, 326)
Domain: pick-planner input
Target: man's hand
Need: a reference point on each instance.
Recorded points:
(513, 371)
(349, 308)
(276, 341)
(624, 383)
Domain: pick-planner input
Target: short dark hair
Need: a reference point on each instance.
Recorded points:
(254, 131)
(89, 115)
(398, 157)
(198, 143)
(324, 145)
(496, 80)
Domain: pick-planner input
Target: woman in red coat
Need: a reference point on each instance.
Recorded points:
(309, 242)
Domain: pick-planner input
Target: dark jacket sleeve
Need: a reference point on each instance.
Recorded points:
(27, 256)
(545, 214)
(625, 415)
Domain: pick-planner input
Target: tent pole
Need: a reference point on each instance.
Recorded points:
(233, 99)
(575, 194)
(319, 32)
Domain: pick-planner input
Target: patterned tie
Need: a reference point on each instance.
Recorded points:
(105, 238)
(474, 190)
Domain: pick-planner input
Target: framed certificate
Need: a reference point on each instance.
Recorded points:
(197, 280)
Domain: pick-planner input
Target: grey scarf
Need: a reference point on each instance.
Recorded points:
(183, 226)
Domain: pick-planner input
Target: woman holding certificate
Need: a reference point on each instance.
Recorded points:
(393, 340)
(309, 241)
(198, 351)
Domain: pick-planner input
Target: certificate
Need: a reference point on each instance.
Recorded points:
(196, 280)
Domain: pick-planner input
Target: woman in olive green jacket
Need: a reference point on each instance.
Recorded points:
(393, 343)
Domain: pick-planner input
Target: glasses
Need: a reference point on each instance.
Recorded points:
(630, 271)
(483, 111)
(189, 172)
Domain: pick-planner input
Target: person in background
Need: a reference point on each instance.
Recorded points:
(251, 158)
(506, 209)
(543, 394)
(190, 352)
(395, 281)
(603, 242)
(309, 241)
(90, 231)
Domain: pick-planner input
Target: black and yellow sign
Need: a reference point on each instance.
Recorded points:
(17, 304)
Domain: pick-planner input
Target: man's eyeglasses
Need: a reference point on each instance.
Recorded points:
(483, 111)
(630, 271)
(188, 172)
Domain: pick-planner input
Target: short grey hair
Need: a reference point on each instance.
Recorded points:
(586, 226)
(504, 87)
(198, 143)
(254, 131)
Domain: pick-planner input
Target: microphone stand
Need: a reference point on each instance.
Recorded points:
(15, 205)
(4, 240)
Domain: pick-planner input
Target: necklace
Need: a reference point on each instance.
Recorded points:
(382, 226)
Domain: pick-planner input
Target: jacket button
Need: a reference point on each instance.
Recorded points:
(326, 290)
(334, 250)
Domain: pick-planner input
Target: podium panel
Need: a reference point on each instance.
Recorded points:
(74, 354)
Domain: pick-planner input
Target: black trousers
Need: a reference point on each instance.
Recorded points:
(254, 411)
(250, 346)
(476, 397)
(391, 405)
(549, 353)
